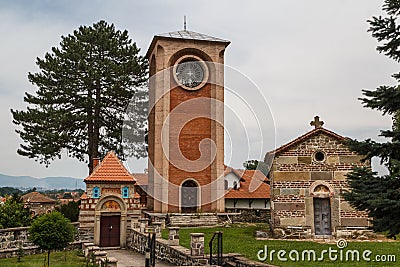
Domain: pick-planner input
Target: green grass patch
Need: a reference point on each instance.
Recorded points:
(57, 259)
(241, 239)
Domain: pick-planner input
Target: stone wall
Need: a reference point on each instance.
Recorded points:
(176, 255)
(12, 238)
(249, 215)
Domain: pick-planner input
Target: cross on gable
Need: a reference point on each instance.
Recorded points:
(316, 122)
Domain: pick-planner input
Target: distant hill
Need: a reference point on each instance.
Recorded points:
(41, 183)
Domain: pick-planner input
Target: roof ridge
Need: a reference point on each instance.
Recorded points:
(304, 136)
(100, 173)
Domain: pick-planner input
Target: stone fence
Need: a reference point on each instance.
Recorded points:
(248, 215)
(11, 239)
(175, 255)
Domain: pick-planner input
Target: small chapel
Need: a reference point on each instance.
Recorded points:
(308, 176)
(110, 203)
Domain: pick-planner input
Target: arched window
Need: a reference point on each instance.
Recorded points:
(96, 192)
(226, 184)
(125, 192)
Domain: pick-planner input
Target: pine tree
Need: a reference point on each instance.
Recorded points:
(84, 88)
(380, 195)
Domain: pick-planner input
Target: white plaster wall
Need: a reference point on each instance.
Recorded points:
(232, 178)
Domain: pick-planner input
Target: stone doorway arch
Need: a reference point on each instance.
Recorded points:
(110, 222)
(322, 210)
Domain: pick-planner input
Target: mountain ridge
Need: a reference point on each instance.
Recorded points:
(46, 183)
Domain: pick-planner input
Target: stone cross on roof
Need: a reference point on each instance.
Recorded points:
(316, 122)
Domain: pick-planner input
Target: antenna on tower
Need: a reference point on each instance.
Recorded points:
(184, 23)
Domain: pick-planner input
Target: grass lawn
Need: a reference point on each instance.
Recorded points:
(240, 239)
(56, 260)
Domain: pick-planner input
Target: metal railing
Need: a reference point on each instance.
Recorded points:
(218, 259)
(150, 260)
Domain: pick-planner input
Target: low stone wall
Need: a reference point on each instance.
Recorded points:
(12, 238)
(250, 215)
(176, 255)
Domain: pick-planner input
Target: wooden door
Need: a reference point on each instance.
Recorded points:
(322, 216)
(110, 231)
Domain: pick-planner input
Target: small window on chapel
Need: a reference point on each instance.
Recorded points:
(125, 192)
(96, 192)
(319, 156)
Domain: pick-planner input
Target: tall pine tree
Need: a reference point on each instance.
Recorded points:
(380, 195)
(84, 88)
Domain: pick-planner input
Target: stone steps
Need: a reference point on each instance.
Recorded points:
(193, 220)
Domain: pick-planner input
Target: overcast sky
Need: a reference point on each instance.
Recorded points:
(307, 58)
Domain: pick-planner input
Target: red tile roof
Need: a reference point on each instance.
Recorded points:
(303, 138)
(110, 169)
(36, 197)
(253, 184)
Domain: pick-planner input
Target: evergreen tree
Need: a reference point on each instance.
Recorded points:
(380, 195)
(254, 164)
(84, 88)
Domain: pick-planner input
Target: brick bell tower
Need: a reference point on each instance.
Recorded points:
(186, 123)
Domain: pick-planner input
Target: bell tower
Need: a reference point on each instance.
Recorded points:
(186, 123)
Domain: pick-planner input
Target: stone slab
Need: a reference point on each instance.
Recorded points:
(304, 160)
(290, 191)
(340, 175)
(288, 206)
(291, 176)
(351, 159)
(295, 221)
(286, 160)
(321, 176)
(354, 222)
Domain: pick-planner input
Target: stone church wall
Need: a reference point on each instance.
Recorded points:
(296, 173)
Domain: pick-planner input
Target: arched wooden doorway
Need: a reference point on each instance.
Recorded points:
(322, 210)
(189, 197)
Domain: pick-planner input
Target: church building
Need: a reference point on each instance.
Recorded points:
(308, 176)
(109, 205)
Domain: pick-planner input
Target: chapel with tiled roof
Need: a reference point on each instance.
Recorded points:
(110, 203)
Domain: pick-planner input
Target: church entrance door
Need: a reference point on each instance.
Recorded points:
(322, 216)
(189, 197)
(110, 231)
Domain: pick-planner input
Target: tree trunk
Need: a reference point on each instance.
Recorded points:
(89, 110)
(48, 257)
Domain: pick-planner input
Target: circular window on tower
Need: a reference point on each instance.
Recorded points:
(319, 156)
(190, 72)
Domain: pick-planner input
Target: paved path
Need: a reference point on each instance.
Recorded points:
(129, 258)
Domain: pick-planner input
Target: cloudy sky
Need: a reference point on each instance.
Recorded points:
(306, 57)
